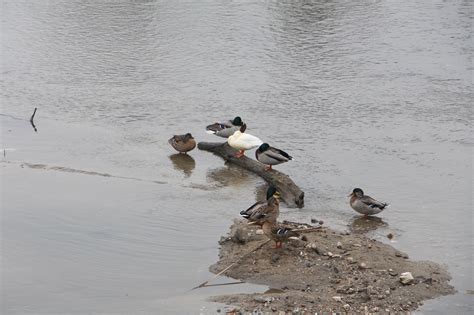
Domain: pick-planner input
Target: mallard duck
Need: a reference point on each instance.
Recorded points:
(183, 143)
(277, 232)
(243, 141)
(271, 156)
(226, 128)
(261, 211)
(365, 204)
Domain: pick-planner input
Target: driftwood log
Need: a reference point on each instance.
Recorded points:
(291, 194)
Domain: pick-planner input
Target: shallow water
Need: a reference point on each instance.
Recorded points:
(100, 215)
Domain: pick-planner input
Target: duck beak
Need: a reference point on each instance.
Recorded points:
(277, 195)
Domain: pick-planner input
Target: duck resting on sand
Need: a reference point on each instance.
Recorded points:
(182, 143)
(243, 141)
(365, 204)
(271, 156)
(259, 212)
(226, 128)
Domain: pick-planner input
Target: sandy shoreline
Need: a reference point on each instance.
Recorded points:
(330, 272)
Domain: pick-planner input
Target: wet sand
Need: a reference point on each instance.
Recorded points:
(328, 271)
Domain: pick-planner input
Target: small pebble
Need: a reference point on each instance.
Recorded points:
(259, 232)
(390, 236)
(337, 298)
(363, 266)
(339, 245)
(346, 306)
(406, 278)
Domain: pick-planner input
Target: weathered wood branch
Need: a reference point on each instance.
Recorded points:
(291, 194)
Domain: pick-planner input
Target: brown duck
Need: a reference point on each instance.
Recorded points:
(182, 143)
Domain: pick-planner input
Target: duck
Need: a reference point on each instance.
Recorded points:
(364, 204)
(243, 141)
(226, 128)
(278, 233)
(261, 211)
(182, 143)
(271, 156)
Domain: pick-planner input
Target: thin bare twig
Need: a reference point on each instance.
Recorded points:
(31, 120)
(205, 283)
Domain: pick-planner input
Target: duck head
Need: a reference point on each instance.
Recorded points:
(188, 136)
(263, 147)
(237, 121)
(242, 129)
(271, 191)
(357, 192)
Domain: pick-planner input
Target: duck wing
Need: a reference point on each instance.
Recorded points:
(283, 233)
(371, 202)
(278, 154)
(251, 210)
(219, 126)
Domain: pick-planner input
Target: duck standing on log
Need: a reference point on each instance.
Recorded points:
(226, 128)
(260, 211)
(364, 204)
(182, 143)
(271, 156)
(243, 141)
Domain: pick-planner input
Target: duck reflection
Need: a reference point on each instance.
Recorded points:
(183, 162)
(228, 175)
(362, 225)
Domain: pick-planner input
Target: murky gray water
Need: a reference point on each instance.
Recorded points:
(375, 94)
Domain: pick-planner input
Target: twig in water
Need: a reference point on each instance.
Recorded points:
(204, 284)
(31, 120)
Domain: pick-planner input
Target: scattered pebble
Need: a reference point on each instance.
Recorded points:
(363, 265)
(259, 232)
(339, 245)
(337, 298)
(346, 306)
(406, 278)
(390, 236)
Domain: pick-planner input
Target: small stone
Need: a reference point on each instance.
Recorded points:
(337, 298)
(390, 236)
(263, 299)
(275, 258)
(346, 306)
(369, 246)
(259, 232)
(392, 273)
(350, 260)
(339, 245)
(356, 245)
(363, 266)
(381, 297)
(330, 254)
(387, 292)
(406, 278)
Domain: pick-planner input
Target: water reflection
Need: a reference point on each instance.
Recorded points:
(229, 175)
(362, 225)
(183, 162)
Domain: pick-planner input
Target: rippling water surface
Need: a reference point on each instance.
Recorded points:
(98, 213)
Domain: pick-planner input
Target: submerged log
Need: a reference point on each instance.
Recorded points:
(291, 194)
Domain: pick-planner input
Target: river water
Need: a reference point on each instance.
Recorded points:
(99, 215)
